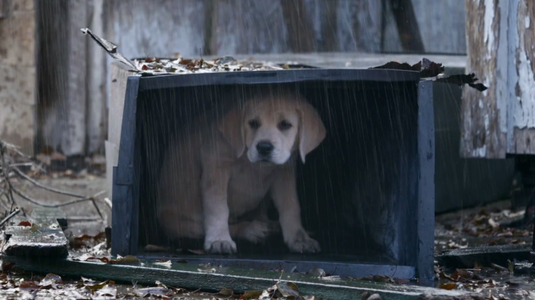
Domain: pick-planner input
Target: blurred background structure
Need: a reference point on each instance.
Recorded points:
(59, 98)
(55, 82)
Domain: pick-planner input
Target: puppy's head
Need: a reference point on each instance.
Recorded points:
(271, 127)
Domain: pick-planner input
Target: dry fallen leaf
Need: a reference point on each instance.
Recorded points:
(493, 223)
(288, 289)
(251, 294)
(29, 285)
(25, 223)
(50, 281)
(448, 286)
(129, 259)
(166, 264)
(226, 292)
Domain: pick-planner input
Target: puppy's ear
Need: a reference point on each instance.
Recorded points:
(232, 129)
(311, 129)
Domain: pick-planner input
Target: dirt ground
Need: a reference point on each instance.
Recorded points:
(493, 224)
(83, 217)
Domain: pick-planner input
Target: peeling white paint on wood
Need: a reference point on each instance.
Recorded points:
(522, 82)
(504, 60)
(525, 108)
(480, 152)
(488, 21)
(483, 115)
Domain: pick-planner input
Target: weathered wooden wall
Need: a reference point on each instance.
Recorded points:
(18, 84)
(501, 39)
(245, 27)
(71, 113)
(521, 113)
(73, 73)
(484, 114)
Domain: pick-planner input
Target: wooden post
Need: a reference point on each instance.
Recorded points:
(409, 33)
(210, 27)
(329, 26)
(73, 140)
(96, 81)
(62, 76)
(300, 33)
(500, 120)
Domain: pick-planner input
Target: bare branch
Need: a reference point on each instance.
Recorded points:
(51, 189)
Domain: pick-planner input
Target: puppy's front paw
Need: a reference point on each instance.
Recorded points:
(300, 242)
(220, 246)
(255, 231)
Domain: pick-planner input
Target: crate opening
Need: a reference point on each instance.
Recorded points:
(358, 190)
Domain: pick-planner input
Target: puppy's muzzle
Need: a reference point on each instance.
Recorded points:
(264, 148)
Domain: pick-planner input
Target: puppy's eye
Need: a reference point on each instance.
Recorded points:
(284, 125)
(254, 124)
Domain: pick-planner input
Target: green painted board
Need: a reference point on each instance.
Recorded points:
(193, 276)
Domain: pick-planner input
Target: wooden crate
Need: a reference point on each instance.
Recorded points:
(367, 193)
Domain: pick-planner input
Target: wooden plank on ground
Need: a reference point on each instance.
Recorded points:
(466, 258)
(193, 276)
(37, 237)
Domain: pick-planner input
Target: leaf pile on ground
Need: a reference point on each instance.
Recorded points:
(182, 65)
(495, 282)
(53, 286)
(50, 286)
(485, 224)
(96, 244)
(489, 227)
(281, 290)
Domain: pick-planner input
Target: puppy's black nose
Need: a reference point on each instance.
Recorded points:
(264, 148)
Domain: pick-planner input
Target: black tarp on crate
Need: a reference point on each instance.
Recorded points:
(366, 194)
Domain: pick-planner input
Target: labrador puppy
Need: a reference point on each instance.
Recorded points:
(229, 162)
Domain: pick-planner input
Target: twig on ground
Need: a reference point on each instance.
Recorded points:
(51, 189)
(11, 215)
(36, 202)
(38, 166)
(5, 173)
(15, 149)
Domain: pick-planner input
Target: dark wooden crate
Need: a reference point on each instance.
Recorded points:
(367, 192)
